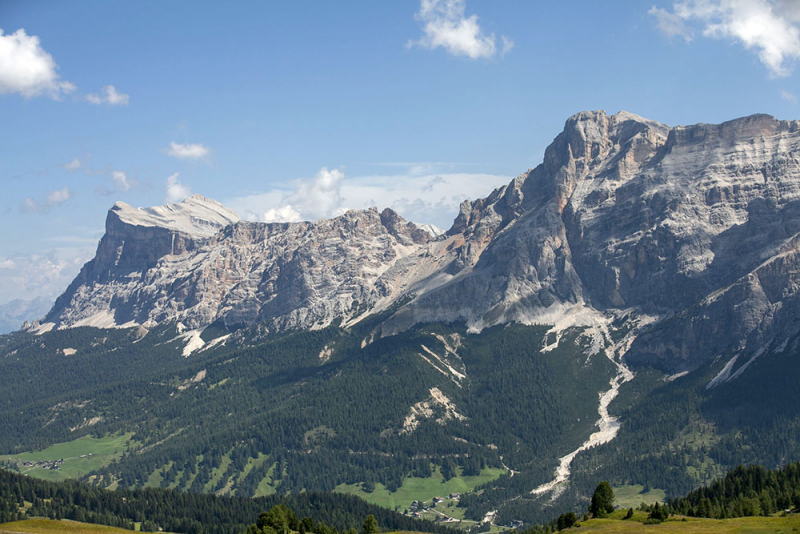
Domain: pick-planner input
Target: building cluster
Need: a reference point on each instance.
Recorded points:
(418, 508)
(55, 465)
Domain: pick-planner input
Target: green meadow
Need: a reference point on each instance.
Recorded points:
(81, 456)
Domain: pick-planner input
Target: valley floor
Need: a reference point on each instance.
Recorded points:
(71, 459)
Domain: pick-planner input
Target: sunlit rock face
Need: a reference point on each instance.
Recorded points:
(196, 262)
(693, 227)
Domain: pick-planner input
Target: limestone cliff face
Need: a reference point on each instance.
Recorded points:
(199, 264)
(514, 258)
(694, 227)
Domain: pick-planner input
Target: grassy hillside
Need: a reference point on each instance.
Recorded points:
(420, 489)
(50, 526)
(75, 458)
(690, 525)
(633, 496)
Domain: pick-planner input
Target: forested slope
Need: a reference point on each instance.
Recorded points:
(190, 513)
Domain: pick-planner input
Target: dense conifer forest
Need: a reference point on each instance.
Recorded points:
(745, 491)
(267, 413)
(188, 513)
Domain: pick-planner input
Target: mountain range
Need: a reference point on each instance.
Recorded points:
(626, 309)
(625, 217)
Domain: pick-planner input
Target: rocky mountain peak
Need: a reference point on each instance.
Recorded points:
(196, 262)
(592, 135)
(196, 216)
(625, 216)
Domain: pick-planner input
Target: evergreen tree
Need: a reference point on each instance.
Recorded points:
(659, 513)
(370, 525)
(602, 500)
(566, 520)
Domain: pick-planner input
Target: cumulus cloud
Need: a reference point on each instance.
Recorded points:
(73, 165)
(54, 198)
(121, 182)
(175, 190)
(314, 198)
(446, 25)
(27, 69)
(45, 274)
(770, 27)
(108, 95)
(188, 150)
(59, 196)
(422, 198)
(282, 214)
(320, 197)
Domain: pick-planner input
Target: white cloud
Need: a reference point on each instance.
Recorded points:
(188, 150)
(314, 198)
(789, 97)
(45, 274)
(671, 24)
(428, 198)
(508, 45)
(109, 95)
(73, 165)
(282, 214)
(31, 205)
(176, 191)
(26, 69)
(59, 196)
(771, 27)
(446, 25)
(121, 182)
(54, 198)
(320, 197)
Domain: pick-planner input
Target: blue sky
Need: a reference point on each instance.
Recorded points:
(299, 110)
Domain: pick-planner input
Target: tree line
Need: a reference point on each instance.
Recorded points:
(745, 491)
(186, 513)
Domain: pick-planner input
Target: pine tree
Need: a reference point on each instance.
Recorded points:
(602, 500)
(370, 525)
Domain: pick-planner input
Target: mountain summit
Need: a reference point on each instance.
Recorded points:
(625, 218)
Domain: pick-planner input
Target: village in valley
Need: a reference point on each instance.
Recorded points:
(23, 466)
(442, 510)
(53, 465)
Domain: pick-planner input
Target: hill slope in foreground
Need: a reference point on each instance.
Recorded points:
(690, 525)
(742, 525)
(63, 526)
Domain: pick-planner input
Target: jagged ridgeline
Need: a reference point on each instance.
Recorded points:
(624, 311)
